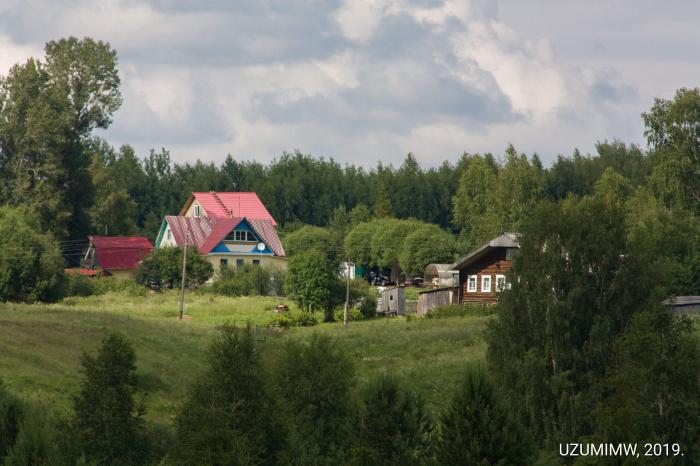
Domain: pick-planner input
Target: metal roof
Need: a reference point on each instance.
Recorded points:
(506, 240)
(120, 252)
(206, 232)
(230, 204)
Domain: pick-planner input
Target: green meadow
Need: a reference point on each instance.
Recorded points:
(41, 345)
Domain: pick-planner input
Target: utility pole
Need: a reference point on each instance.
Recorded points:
(347, 293)
(184, 268)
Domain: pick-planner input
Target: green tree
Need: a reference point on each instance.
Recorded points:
(311, 238)
(107, 423)
(316, 380)
(47, 111)
(163, 269)
(358, 242)
(672, 132)
(35, 444)
(312, 282)
(474, 201)
(394, 426)
(653, 384)
(425, 245)
(477, 428)
(228, 417)
(360, 214)
(31, 266)
(570, 299)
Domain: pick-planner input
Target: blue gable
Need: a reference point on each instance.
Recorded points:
(245, 247)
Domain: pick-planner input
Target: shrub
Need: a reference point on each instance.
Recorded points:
(305, 319)
(477, 428)
(11, 415)
(354, 314)
(394, 428)
(457, 310)
(248, 280)
(302, 319)
(108, 424)
(228, 416)
(35, 444)
(36, 271)
(281, 321)
(79, 285)
(163, 269)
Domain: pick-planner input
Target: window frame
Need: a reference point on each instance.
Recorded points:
(484, 279)
(197, 210)
(469, 283)
(505, 283)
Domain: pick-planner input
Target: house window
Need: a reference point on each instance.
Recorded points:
(256, 261)
(486, 283)
(242, 236)
(223, 263)
(197, 211)
(471, 284)
(168, 234)
(500, 282)
(239, 262)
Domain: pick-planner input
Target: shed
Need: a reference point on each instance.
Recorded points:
(684, 304)
(437, 297)
(118, 256)
(392, 300)
(441, 275)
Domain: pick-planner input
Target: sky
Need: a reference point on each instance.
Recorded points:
(364, 81)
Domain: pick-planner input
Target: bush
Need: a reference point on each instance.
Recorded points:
(163, 269)
(81, 286)
(354, 314)
(11, 415)
(36, 271)
(456, 310)
(35, 444)
(303, 319)
(248, 280)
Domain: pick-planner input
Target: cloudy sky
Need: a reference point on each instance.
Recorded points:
(369, 80)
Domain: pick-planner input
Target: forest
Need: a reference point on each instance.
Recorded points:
(580, 349)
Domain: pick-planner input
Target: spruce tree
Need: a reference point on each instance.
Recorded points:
(108, 424)
(477, 429)
(35, 444)
(11, 415)
(229, 418)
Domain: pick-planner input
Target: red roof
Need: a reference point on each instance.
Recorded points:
(120, 252)
(207, 232)
(230, 205)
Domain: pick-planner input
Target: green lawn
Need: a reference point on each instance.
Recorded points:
(41, 345)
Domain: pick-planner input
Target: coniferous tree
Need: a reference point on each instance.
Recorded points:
(478, 429)
(107, 424)
(229, 416)
(394, 427)
(12, 412)
(35, 444)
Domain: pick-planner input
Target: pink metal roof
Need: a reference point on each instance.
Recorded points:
(207, 232)
(231, 204)
(120, 252)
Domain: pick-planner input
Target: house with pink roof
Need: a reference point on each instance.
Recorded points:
(229, 229)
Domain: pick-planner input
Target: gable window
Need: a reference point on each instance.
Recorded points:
(243, 236)
(168, 234)
(500, 282)
(486, 283)
(197, 211)
(471, 284)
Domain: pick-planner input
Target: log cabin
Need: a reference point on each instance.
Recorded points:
(482, 272)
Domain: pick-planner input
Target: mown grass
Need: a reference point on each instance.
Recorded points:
(41, 345)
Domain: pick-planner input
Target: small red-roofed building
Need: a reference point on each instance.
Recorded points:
(117, 256)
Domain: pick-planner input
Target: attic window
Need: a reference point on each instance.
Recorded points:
(244, 236)
(197, 211)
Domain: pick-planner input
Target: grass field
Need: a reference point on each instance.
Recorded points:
(41, 345)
